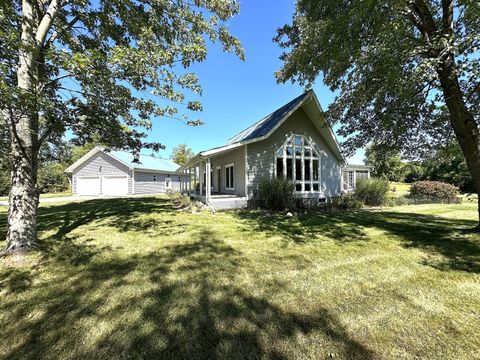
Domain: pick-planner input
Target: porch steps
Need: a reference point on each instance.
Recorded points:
(233, 202)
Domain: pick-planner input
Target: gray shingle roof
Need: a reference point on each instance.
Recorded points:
(266, 124)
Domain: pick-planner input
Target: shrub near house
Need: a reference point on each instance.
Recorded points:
(372, 192)
(277, 193)
(433, 189)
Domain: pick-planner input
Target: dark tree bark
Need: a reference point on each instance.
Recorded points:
(463, 123)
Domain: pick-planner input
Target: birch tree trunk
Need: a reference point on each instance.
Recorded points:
(23, 199)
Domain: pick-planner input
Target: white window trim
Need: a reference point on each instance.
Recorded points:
(306, 142)
(231, 165)
(169, 178)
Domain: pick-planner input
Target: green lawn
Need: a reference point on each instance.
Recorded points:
(45, 196)
(401, 189)
(134, 278)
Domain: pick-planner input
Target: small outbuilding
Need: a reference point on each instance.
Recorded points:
(114, 173)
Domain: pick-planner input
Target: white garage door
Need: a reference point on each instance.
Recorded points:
(88, 185)
(115, 185)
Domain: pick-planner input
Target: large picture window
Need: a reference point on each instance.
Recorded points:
(229, 177)
(297, 160)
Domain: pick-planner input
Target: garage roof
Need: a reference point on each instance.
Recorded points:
(147, 162)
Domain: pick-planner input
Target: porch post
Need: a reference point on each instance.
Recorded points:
(189, 184)
(181, 182)
(195, 178)
(201, 177)
(208, 179)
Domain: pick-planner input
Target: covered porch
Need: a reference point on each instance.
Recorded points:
(352, 173)
(224, 188)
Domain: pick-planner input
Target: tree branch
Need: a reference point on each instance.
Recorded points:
(475, 89)
(447, 19)
(46, 23)
(46, 134)
(55, 33)
(423, 12)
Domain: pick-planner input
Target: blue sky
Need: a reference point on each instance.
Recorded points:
(236, 93)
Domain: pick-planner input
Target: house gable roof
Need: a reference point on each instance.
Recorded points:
(263, 128)
(147, 162)
(264, 125)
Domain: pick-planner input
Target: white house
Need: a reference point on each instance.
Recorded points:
(294, 141)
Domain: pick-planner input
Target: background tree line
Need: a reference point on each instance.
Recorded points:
(446, 164)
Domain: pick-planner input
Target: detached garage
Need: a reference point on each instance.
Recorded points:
(113, 173)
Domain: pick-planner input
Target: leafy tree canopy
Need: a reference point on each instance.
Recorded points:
(181, 154)
(108, 67)
(447, 164)
(385, 57)
(387, 165)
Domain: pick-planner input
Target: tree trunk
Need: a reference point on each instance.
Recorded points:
(23, 122)
(463, 122)
(23, 202)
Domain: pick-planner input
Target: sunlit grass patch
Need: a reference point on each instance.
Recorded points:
(135, 278)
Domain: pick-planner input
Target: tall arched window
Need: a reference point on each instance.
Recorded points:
(298, 161)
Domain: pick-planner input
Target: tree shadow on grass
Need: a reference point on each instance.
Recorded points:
(186, 303)
(433, 234)
(122, 213)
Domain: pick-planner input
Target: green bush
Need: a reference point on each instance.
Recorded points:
(52, 178)
(180, 200)
(433, 189)
(277, 193)
(349, 202)
(372, 192)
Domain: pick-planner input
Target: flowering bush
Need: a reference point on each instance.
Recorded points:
(434, 189)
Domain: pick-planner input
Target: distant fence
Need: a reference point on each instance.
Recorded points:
(419, 200)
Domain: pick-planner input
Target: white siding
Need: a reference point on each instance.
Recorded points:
(99, 165)
(237, 157)
(104, 165)
(145, 183)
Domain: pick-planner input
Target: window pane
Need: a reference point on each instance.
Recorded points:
(231, 177)
(289, 169)
(298, 169)
(298, 187)
(307, 170)
(308, 152)
(316, 187)
(289, 151)
(314, 153)
(307, 187)
(298, 140)
(227, 177)
(315, 169)
(298, 151)
(362, 175)
(280, 152)
(279, 167)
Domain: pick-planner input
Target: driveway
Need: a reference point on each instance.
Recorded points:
(56, 199)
